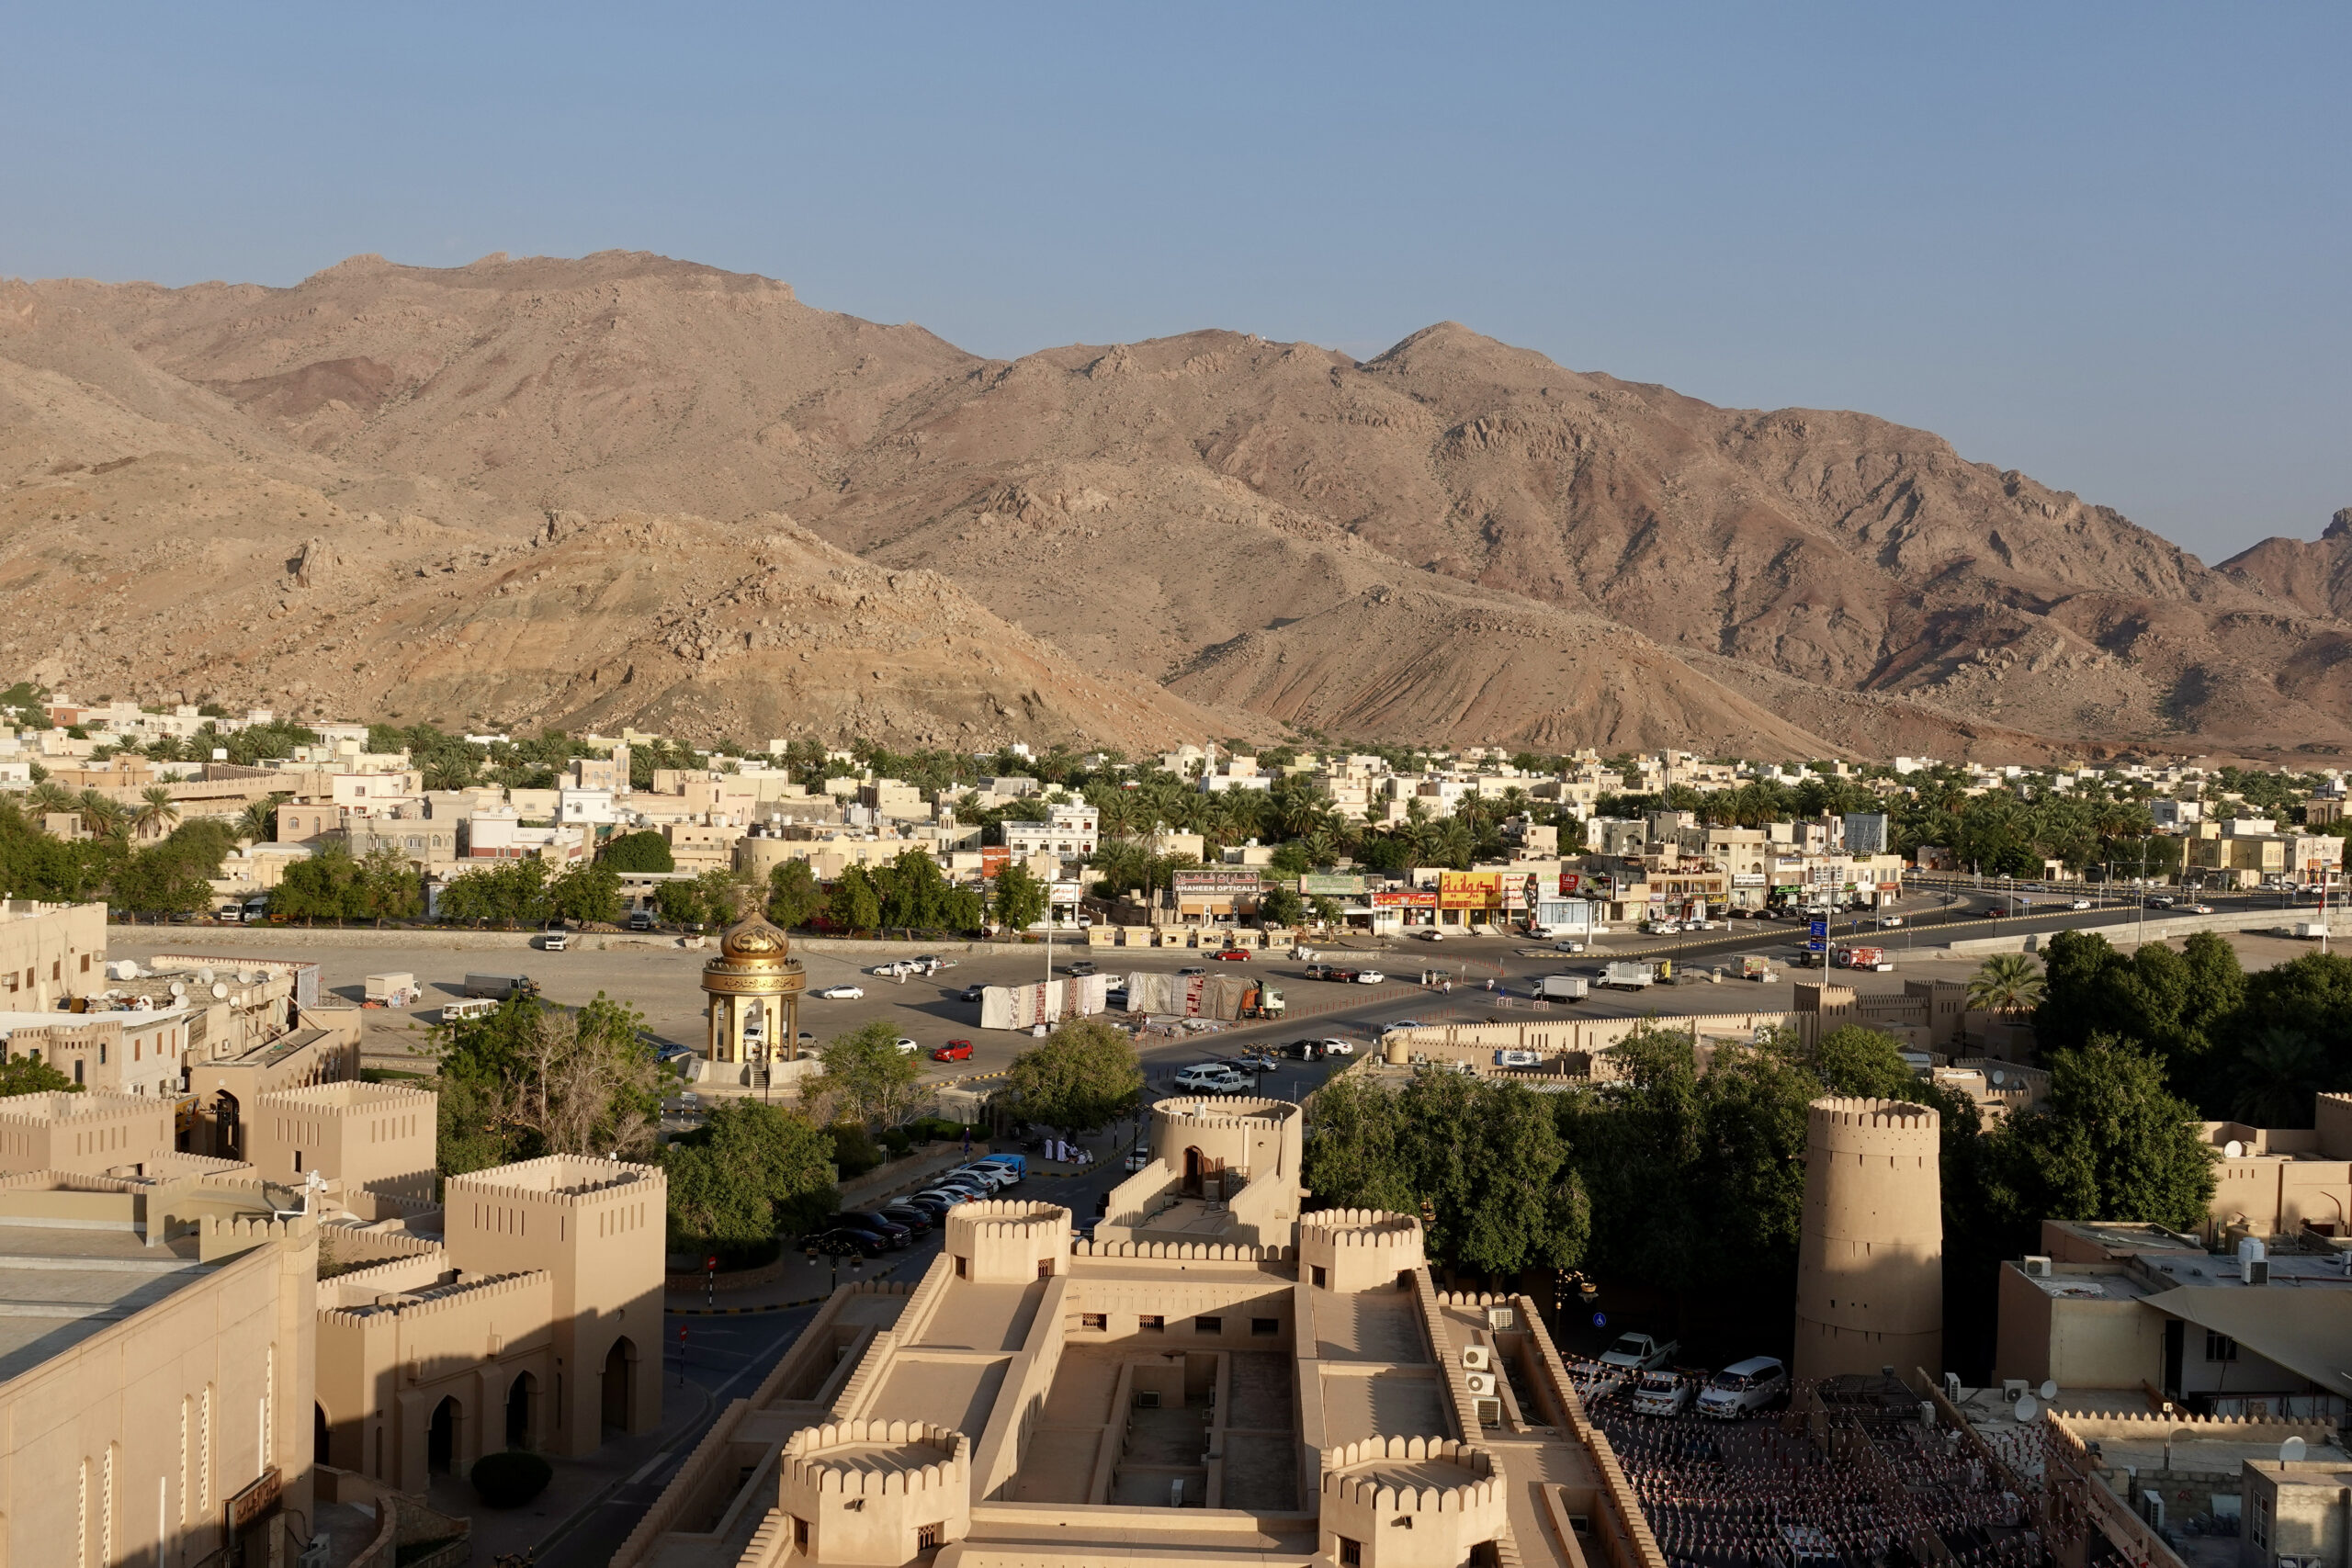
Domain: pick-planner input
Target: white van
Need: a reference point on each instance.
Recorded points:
(1213, 1077)
(1744, 1387)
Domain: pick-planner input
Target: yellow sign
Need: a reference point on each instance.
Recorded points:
(1470, 889)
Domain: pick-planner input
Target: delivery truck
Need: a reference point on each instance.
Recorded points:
(501, 985)
(393, 990)
(1561, 987)
(1626, 975)
(1755, 966)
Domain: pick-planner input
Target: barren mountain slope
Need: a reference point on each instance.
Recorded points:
(1174, 507)
(2314, 577)
(154, 568)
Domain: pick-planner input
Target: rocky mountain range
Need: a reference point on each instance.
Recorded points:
(630, 489)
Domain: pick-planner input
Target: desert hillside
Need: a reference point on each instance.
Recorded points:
(1457, 540)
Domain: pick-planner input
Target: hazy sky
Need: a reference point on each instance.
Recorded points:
(2104, 243)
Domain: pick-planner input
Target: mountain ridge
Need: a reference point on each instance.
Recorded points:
(1213, 510)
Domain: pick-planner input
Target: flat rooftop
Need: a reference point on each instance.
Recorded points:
(59, 1285)
(2118, 1286)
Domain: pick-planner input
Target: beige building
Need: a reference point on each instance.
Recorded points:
(157, 1369)
(50, 951)
(1265, 1388)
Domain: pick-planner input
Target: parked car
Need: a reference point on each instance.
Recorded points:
(907, 1047)
(1016, 1166)
(1370, 978)
(1661, 1393)
(1084, 967)
(946, 1198)
(953, 1051)
(844, 1241)
(933, 1204)
(1337, 1047)
(1213, 1077)
(1318, 971)
(1233, 955)
(1190, 969)
(1640, 1353)
(554, 939)
(990, 1176)
(1138, 1157)
(916, 1220)
(892, 1235)
(842, 993)
(970, 993)
(1744, 1387)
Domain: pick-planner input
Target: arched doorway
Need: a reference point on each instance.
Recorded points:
(620, 1365)
(319, 1449)
(226, 1134)
(1193, 1167)
(441, 1439)
(521, 1395)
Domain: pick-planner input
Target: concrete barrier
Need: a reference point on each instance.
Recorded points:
(2130, 931)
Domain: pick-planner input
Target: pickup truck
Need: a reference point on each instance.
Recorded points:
(1640, 1353)
(1661, 1393)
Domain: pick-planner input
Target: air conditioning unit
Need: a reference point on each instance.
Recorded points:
(1149, 1398)
(318, 1555)
(1951, 1387)
(1475, 1357)
(2036, 1268)
(1490, 1413)
(1502, 1317)
(2012, 1389)
(1482, 1384)
(2256, 1270)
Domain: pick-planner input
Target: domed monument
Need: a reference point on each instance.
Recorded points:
(753, 1013)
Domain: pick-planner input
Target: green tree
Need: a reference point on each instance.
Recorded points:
(724, 894)
(156, 883)
(2112, 1144)
(1081, 1075)
(866, 1079)
(590, 894)
(679, 904)
(156, 813)
(26, 1074)
(639, 851)
(532, 1080)
(747, 1170)
(2279, 1075)
(1020, 900)
(1281, 908)
(385, 887)
(793, 897)
(852, 902)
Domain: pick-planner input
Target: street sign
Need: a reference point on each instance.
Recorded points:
(1600, 1320)
(1819, 928)
(1815, 944)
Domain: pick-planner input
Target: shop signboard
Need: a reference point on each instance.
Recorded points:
(1470, 889)
(1405, 899)
(1213, 881)
(1330, 884)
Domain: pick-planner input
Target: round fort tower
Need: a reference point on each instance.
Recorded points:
(1870, 1258)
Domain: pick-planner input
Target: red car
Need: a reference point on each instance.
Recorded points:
(953, 1051)
(1235, 955)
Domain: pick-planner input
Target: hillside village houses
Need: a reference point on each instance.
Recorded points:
(752, 813)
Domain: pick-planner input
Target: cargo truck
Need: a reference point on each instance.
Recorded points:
(1626, 976)
(1561, 987)
(501, 985)
(1755, 966)
(391, 990)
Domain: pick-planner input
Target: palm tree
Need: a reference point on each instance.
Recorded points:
(2008, 983)
(158, 813)
(2283, 1070)
(102, 816)
(257, 823)
(51, 795)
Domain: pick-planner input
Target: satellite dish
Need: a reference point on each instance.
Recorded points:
(2026, 1408)
(179, 988)
(204, 976)
(2290, 1451)
(1999, 1078)
(2049, 1390)
(2234, 1150)
(218, 990)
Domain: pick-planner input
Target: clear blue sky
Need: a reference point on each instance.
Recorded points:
(2106, 243)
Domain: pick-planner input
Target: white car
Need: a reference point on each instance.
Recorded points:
(842, 993)
(1138, 1157)
(1370, 978)
(994, 1177)
(1337, 1047)
(2080, 904)
(906, 1047)
(1567, 947)
(1661, 1393)
(1432, 935)
(1213, 1077)
(1889, 922)
(1744, 1387)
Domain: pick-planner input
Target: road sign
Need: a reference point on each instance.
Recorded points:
(1819, 928)
(1815, 944)
(1600, 1320)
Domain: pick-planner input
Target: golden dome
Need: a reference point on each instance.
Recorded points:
(755, 941)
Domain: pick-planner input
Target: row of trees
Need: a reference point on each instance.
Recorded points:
(2251, 1047)
(169, 877)
(1690, 1183)
(524, 891)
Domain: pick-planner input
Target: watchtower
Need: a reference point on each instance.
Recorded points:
(1871, 1257)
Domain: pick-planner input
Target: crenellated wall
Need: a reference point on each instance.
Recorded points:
(1357, 1249)
(866, 1491)
(1410, 1502)
(1005, 1242)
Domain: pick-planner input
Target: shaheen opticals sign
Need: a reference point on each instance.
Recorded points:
(1470, 890)
(1212, 882)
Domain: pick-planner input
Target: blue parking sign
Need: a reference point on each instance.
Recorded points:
(1820, 928)
(1600, 1320)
